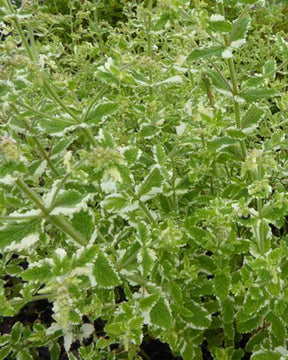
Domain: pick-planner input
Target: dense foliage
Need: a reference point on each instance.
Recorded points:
(143, 180)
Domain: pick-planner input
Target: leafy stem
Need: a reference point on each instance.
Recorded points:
(38, 144)
(58, 221)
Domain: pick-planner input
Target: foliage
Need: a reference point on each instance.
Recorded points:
(143, 155)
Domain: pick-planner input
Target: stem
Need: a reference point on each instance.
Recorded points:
(58, 100)
(149, 45)
(35, 198)
(46, 84)
(35, 111)
(96, 98)
(24, 41)
(66, 227)
(19, 217)
(59, 221)
(38, 144)
(233, 77)
(147, 212)
(260, 216)
(34, 298)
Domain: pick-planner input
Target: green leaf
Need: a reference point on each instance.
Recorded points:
(151, 185)
(143, 233)
(222, 26)
(278, 327)
(239, 30)
(252, 117)
(115, 202)
(41, 272)
(85, 255)
(228, 311)
(83, 222)
(197, 317)
(255, 94)
(4, 352)
(16, 232)
(56, 127)
(206, 53)
(265, 355)
(101, 112)
(217, 144)
(24, 355)
(146, 257)
(16, 332)
(160, 314)
(55, 351)
(104, 273)
(219, 82)
(221, 285)
(117, 328)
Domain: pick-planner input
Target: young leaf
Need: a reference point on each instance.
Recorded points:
(238, 33)
(104, 273)
(221, 284)
(151, 185)
(206, 53)
(41, 272)
(83, 222)
(252, 117)
(101, 112)
(220, 84)
(219, 25)
(255, 94)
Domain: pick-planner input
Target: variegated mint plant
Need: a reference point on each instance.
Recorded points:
(143, 179)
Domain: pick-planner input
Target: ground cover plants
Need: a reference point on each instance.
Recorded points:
(143, 192)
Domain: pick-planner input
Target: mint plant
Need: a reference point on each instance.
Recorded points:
(143, 178)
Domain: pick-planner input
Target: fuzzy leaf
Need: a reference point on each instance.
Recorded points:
(83, 222)
(240, 28)
(221, 284)
(85, 255)
(206, 53)
(4, 352)
(101, 112)
(151, 185)
(278, 327)
(255, 94)
(219, 82)
(252, 117)
(104, 273)
(160, 314)
(16, 232)
(222, 26)
(41, 272)
(114, 202)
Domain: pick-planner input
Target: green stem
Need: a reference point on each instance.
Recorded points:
(19, 217)
(35, 111)
(35, 198)
(38, 144)
(147, 212)
(34, 298)
(58, 100)
(46, 84)
(24, 41)
(149, 45)
(58, 221)
(66, 227)
(233, 77)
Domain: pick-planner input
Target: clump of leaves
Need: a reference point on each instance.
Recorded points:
(143, 178)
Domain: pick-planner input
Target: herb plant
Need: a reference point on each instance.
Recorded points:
(143, 183)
